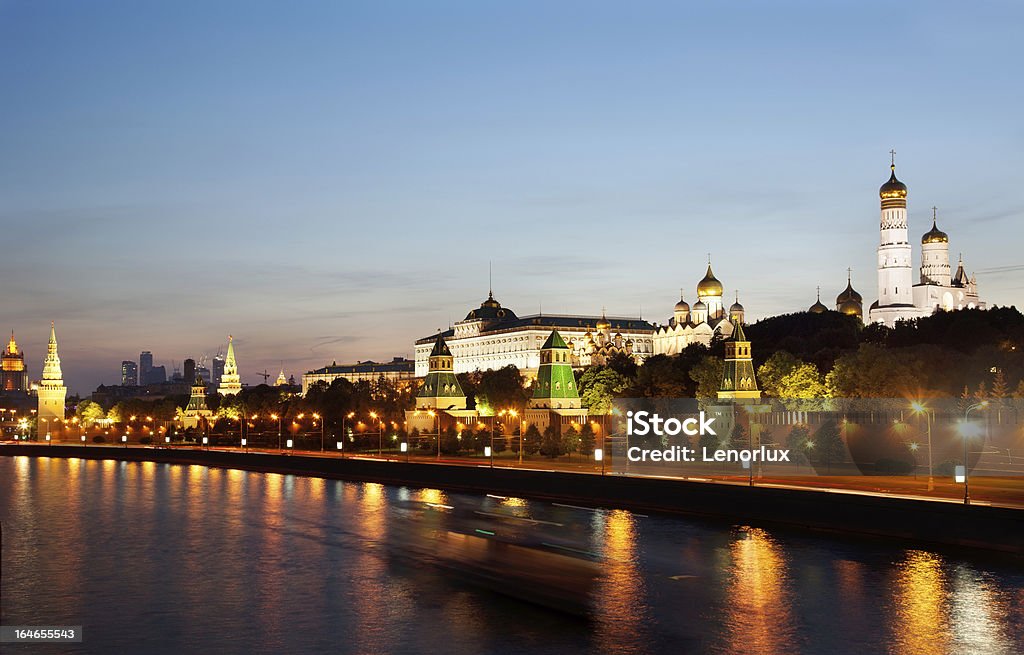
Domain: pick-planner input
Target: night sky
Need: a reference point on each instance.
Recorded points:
(328, 180)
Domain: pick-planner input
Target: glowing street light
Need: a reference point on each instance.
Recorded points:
(919, 408)
(964, 430)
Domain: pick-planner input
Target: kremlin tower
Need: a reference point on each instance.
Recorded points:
(14, 374)
(230, 382)
(52, 392)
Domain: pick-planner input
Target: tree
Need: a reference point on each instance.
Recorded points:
(785, 376)
(89, 412)
(500, 388)
(828, 444)
(587, 440)
(1000, 389)
(624, 365)
(449, 441)
(707, 373)
(599, 386)
(570, 440)
(531, 440)
(798, 441)
(550, 445)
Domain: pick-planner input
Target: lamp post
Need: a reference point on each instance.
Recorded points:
(434, 415)
(919, 409)
(380, 433)
(344, 432)
(277, 417)
(963, 432)
(316, 417)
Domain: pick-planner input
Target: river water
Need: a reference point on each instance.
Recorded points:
(160, 558)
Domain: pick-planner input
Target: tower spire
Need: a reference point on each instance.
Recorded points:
(230, 381)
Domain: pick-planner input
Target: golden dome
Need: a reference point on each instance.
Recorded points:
(709, 286)
(850, 308)
(849, 293)
(934, 235)
(893, 188)
(603, 324)
(817, 308)
(682, 306)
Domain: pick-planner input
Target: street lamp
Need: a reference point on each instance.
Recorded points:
(432, 414)
(344, 432)
(316, 417)
(963, 432)
(380, 433)
(919, 409)
(277, 417)
(599, 457)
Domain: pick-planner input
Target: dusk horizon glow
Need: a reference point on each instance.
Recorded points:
(330, 182)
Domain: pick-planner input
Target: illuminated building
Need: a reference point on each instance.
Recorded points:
(399, 372)
(738, 379)
(556, 399)
(129, 374)
(492, 337)
(848, 301)
(13, 374)
(281, 379)
(440, 396)
(52, 392)
(230, 382)
(898, 297)
(700, 323)
(196, 411)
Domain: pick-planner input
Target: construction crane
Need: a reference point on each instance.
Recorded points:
(264, 375)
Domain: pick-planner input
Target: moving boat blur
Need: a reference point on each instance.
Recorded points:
(510, 555)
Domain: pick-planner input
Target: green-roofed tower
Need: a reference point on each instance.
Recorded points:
(738, 380)
(441, 389)
(556, 385)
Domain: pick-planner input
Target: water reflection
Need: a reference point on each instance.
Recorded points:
(920, 622)
(758, 615)
(252, 562)
(620, 607)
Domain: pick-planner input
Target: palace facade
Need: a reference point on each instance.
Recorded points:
(492, 337)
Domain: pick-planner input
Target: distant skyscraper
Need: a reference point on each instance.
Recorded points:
(203, 374)
(218, 369)
(14, 374)
(189, 370)
(129, 374)
(230, 382)
(52, 392)
(157, 375)
(145, 366)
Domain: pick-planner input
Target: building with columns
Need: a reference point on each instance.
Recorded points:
(52, 393)
(899, 296)
(492, 337)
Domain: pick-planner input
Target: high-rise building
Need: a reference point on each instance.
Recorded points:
(52, 392)
(157, 375)
(14, 374)
(203, 374)
(230, 382)
(145, 366)
(129, 374)
(189, 370)
(217, 371)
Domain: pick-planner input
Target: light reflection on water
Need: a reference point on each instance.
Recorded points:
(161, 558)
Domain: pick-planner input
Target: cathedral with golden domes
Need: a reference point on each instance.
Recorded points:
(899, 297)
(700, 323)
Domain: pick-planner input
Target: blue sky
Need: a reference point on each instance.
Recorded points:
(328, 180)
